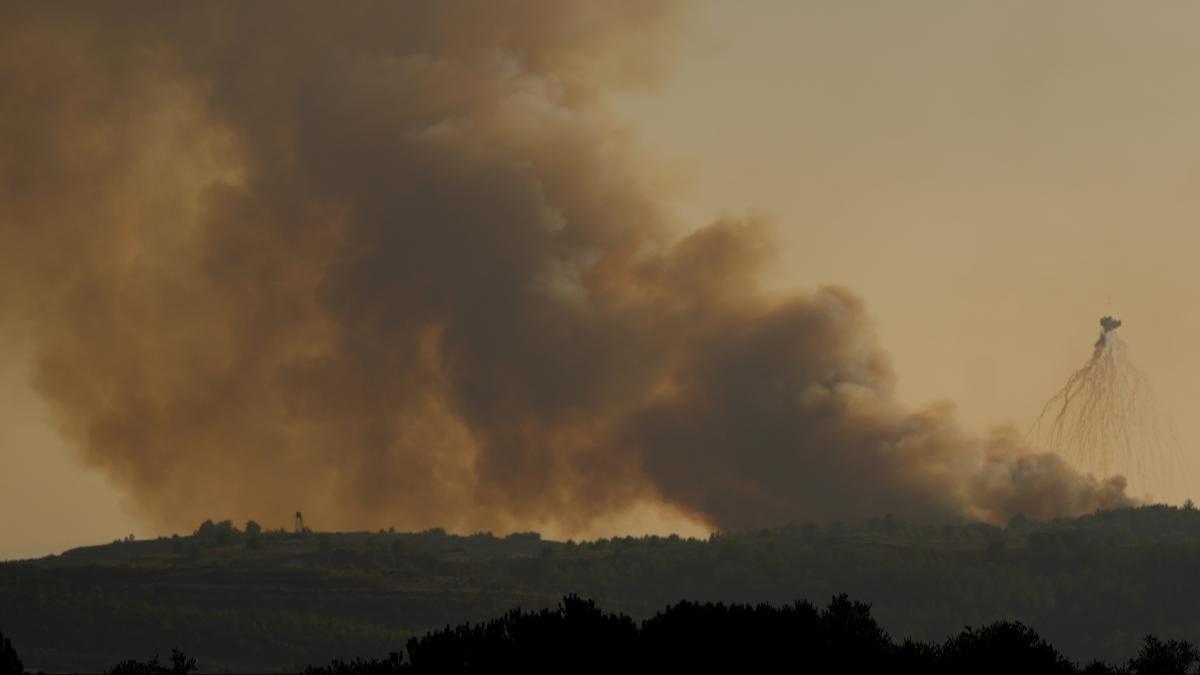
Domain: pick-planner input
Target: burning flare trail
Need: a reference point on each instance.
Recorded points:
(1104, 419)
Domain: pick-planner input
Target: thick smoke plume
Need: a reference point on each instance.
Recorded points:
(393, 263)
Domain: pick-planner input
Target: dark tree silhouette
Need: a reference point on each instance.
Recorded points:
(10, 663)
(1002, 647)
(1173, 657)
(575, 634)
(253, 532)
(216, 533)
(691, 636)
(389, 666)
(181, 664)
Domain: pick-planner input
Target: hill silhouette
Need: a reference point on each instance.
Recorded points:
(1092, 586)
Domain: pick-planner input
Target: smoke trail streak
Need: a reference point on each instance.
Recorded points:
(1105, 419)
(395, 264)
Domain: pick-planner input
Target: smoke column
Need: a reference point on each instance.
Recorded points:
(394, 264)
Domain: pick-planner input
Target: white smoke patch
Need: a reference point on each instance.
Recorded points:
(1105, 420)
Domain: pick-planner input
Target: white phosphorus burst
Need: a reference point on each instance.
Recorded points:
(1105, 420)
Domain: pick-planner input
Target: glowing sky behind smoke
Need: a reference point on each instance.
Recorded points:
(947, 171)
(990, 177)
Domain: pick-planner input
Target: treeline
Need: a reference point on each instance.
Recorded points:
(578, 636)
(698, 637)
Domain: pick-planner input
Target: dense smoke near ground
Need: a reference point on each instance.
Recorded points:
(395, 265)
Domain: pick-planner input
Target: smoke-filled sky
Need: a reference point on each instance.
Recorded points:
(584, 268)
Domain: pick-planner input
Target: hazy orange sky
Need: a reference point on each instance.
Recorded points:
(989, 177)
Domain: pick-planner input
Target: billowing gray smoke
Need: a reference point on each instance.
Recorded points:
(393, 263)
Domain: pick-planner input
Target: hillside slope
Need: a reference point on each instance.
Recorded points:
(1094, 586)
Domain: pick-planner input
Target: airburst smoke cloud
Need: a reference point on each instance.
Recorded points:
(393, 263)
(1105, 418)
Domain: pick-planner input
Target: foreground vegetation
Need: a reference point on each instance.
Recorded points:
(577, 636)
(263, 601)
